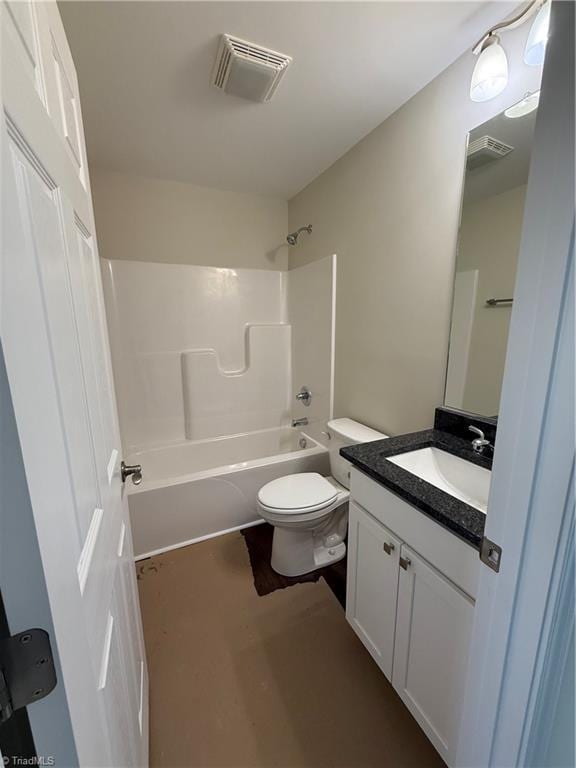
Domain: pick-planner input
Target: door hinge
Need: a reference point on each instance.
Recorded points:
(27, 671)
(490, 554)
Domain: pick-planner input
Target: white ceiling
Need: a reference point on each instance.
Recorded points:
(144, 70)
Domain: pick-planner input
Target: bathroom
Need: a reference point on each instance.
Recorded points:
(311, 342)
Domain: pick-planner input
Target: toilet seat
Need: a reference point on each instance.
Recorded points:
(297, 494)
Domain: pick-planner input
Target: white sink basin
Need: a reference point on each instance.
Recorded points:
(458, 477)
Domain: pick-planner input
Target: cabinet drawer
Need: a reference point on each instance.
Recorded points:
(457, 560)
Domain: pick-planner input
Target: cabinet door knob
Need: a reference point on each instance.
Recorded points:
(388, 548)
(405, 562)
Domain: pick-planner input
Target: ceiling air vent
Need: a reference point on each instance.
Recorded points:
(485, 150)
(248, 70)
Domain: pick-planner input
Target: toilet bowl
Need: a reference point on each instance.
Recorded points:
(310, 512)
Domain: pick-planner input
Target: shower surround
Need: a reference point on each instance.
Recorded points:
(198, 352)
(203, 362)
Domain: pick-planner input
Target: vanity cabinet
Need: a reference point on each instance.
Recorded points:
(413, 617)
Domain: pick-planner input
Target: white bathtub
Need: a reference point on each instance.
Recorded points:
(200, 489)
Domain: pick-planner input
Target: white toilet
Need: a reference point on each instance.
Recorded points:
(310, 512)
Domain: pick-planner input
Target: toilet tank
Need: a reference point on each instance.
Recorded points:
(347, 432)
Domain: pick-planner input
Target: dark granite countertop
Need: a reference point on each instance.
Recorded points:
(460, 518)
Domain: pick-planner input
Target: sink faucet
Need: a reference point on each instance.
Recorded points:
(479, 443)
(300, 422)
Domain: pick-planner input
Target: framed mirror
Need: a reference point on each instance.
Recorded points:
(497, 163)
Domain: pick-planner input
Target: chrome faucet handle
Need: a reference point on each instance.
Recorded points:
(480, 442)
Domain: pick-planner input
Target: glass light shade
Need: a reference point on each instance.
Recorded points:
(490, 75)
(525, 106)
(538, 37)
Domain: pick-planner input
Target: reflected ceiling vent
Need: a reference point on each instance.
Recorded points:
(485, 150)
(247, 70)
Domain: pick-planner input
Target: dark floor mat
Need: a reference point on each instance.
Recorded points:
(258, 540)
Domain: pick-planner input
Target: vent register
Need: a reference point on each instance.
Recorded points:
(248, 70)
(485, 150)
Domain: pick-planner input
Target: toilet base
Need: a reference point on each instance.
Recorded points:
(296, 551)
(328, 555)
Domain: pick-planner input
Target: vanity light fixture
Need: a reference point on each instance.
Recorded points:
(490, 75)
(538, 37)
(524, 106)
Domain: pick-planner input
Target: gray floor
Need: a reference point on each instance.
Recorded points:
(281, 680)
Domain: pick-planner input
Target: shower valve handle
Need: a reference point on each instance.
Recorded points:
(304, 396)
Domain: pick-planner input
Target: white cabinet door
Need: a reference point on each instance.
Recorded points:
(372, 585)
(433, 625)
(53, 334)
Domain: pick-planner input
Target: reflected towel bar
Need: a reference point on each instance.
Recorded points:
(497, 302)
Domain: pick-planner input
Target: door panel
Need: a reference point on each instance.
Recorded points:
(68, 108)
(114, 693)
(20, 21)
(373, 554)
(84, 312)
(40, 219)
(62, 99)
(90, 293)
(433, 626)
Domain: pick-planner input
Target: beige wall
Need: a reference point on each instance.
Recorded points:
(389, 209)
(489, 242)
(165, 221)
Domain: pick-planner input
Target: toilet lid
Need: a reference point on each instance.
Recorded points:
(296, 492)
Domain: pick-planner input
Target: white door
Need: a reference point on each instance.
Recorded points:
(524, 617)
(372, 585)
(54, 337)
(433, 625)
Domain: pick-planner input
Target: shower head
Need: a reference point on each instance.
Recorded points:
(292, 238)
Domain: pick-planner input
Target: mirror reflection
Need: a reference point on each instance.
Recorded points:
(497, 165)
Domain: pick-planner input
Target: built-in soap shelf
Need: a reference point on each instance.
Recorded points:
(249, 329)
(218, 401)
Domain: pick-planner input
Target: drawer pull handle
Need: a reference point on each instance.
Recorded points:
(404, 563)
(388, 548)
